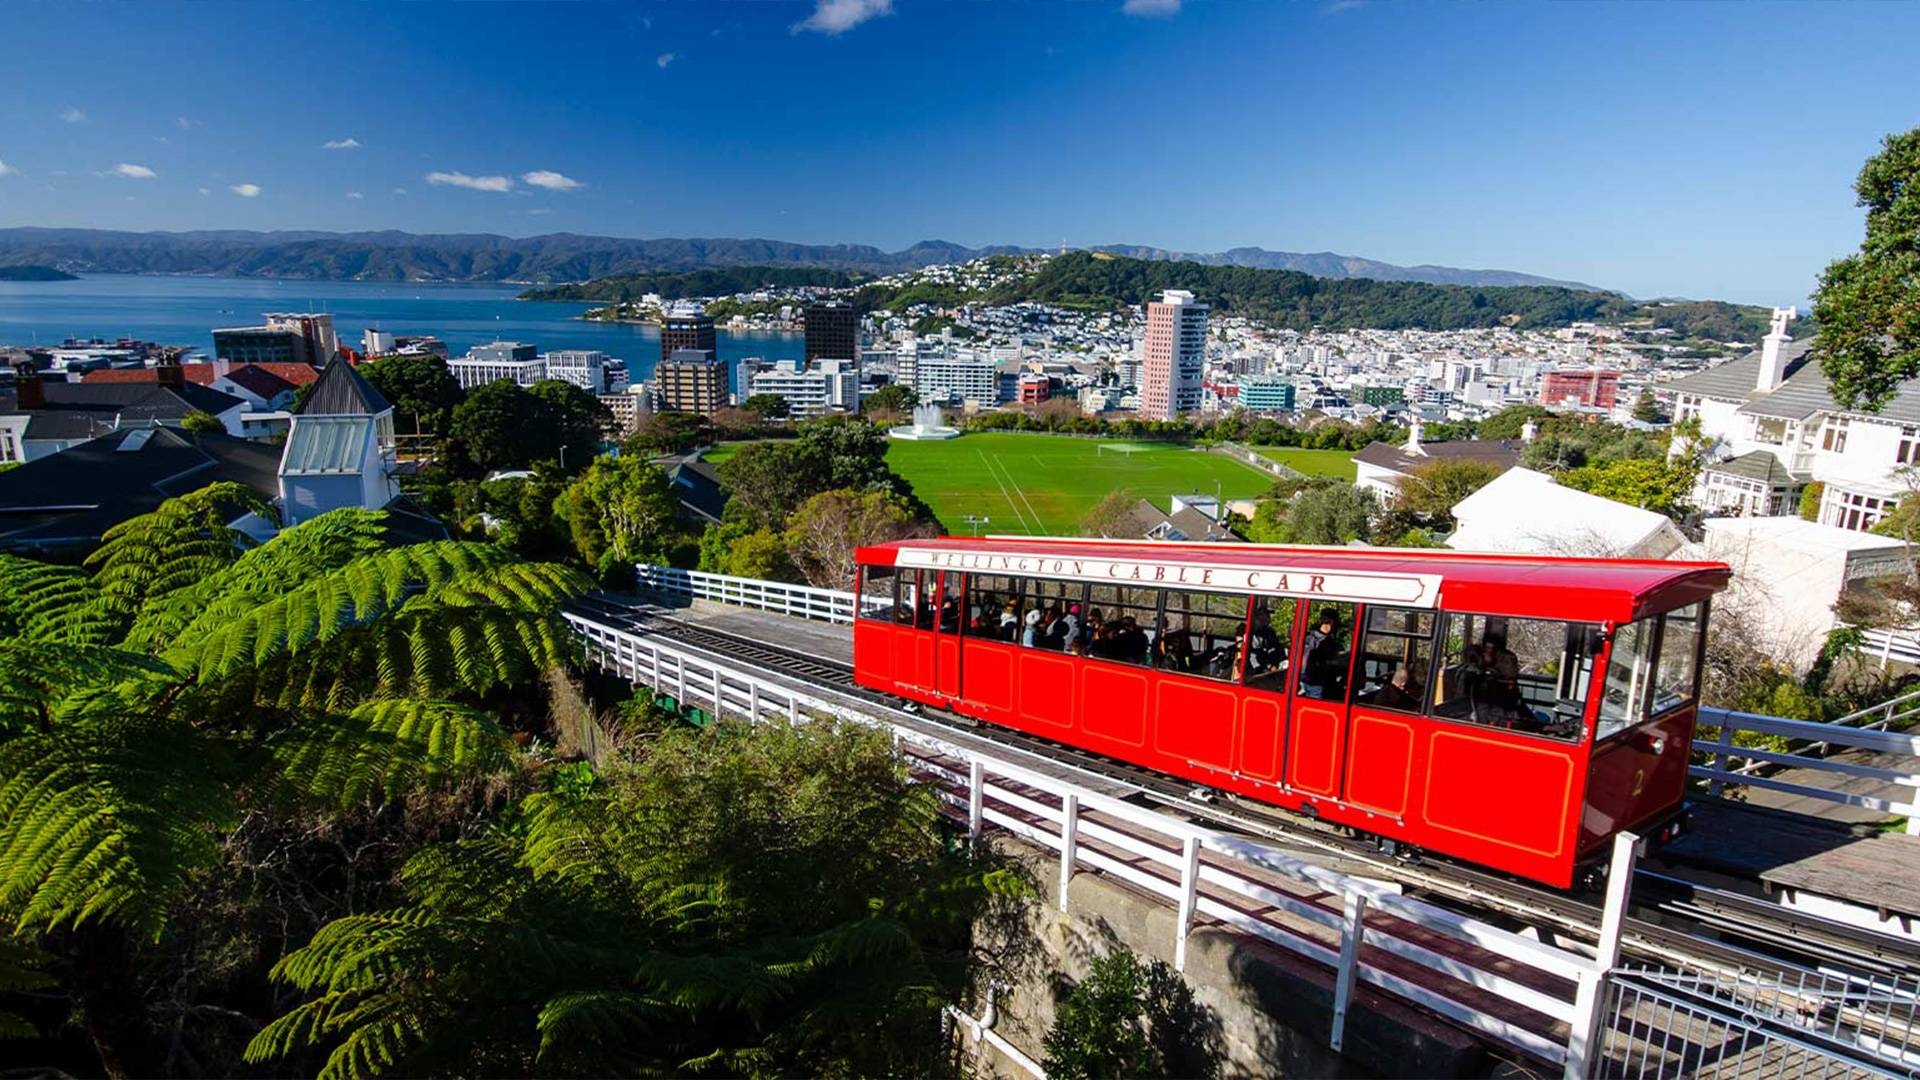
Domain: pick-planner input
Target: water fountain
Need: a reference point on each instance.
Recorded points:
(929, 424)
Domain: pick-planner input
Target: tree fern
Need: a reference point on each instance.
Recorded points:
(43, 602)
(35, 676)
(180, 543)
(387, 747)
(22, 968)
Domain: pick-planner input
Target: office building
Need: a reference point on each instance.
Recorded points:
(1592, 389)
(514, 361)
(1033, 389)
(1382, 395)
(626, 410)
(687, 329)
(812, 391)
(956, 377)
(589, 369)
(1173, 355)
(1266, 394)
(287, 338)
(833, 331)
(691, 380)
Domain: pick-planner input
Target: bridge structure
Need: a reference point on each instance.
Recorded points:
(1692, 966)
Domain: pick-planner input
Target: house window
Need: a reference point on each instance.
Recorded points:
(1834, 438)
(1769, 430)
(1851, 510)
(1909, 446)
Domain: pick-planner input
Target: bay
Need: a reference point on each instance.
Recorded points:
(185, 311)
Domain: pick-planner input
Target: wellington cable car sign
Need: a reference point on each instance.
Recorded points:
(1407, 590)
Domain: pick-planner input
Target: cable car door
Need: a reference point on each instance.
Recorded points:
(915, 610)
(1317, 712)
(1271, 642)
(946, 642)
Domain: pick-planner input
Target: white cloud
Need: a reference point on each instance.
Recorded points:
(840, 16)
(552, 181)
(73, 114)
(1151, 9)
(399, 191)
(476, 183)
(134, 172)
(7, 170)
(348, 143)
(355, 195)
(664, 59)
(205, 191)
(539, 210)
(245, 191)
(185, 123)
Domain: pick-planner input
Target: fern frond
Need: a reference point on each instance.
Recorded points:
(182, 542)
(601, 1019)
(44, 602)
(387, 747)
(36, 675)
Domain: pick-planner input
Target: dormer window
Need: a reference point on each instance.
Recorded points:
(1834, 438)
(1909, 446)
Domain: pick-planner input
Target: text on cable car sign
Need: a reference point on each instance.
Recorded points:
(1410, 590)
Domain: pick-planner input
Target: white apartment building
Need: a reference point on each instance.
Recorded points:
(589, 369)
(1173, 355)
(811, 392)
(513, 361)
(955, 376)
(1776, 428)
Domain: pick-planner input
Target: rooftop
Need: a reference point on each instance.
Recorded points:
(1802, 393)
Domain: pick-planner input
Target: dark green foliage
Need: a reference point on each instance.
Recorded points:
(422, 390)
(1868, 304)
(891, 398)
(1325, 512)
(201, 422)
(1126, 1019)
(711, 281)
(501, 426)
(767, 406)
(670, 916)
(667, 433)
(621, 510)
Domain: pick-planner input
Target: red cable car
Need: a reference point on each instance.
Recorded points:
(1510, 711)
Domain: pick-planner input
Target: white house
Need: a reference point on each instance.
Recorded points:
(1381, 467)
(1775, 428)
(340, 448)
(1523, 511)
(1787, 573)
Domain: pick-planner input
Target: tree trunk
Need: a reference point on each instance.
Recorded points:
(112, 1009)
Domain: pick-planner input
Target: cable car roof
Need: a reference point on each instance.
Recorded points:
(1528, 586)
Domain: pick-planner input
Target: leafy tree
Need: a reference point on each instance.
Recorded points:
(422, 390)
(1107, 514)
(153, 705)
(1646, 408)
(823, 533)
(1868, 304)
(1506, 423)
(891, 399)
(766, 481)
(1326, 513)
(1653, 485)
(1810, 497)
(493, 422)
(737, 548)
(568, 422)
(201, 422)
(667, 432)
(1134, 1020)
(670, 917)
(767, 406)
(622, 510)
(1437, 487)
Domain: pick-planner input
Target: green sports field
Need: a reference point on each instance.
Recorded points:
(1335, 463)
(1044, 485)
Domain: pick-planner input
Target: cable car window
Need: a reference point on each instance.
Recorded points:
(1396, 656)
(913, 598)
(1201, 635)
(994, 600)
(948, 618)
(1269, 636)
(1055, 613)
(1624, 702)
(876, 592)
(1325, 651)
(1679, 664)
(1527, 675)
(1121, 623)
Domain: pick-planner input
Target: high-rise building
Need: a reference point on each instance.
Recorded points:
(589, 369)
(285, 339)
(686, 329)
(833, 331)
(960, 375)
(691, 380)
(812, 390)
(1173, 355)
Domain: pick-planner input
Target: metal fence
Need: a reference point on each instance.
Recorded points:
(1891, 645)
(799, 601)
(1813, 1024)
(1514, 991)
(1805, 744)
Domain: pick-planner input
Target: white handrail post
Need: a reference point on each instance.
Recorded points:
(753, 701)
(1352, 935)
(976, 797)
(1189, 893)
(1583, 1051)
(719, 693)
(1069, 839)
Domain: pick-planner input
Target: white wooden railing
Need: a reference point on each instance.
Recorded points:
(1731, 764)
(1890, 645)
(1443, 961)
(799, 601)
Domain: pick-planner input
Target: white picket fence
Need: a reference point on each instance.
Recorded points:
(1445, 962)
(799, 601)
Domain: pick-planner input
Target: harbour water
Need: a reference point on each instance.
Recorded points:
(185, 310)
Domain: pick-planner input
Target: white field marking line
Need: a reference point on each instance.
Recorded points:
(1017, 490)
(1004, 493)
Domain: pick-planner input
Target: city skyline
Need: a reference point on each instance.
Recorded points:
(1655, 150)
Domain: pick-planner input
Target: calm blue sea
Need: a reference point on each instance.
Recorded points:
(185, 310)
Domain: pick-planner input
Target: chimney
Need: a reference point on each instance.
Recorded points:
(27, 391)
(222, 368)
(1413, 437)
(1529, 431)
(1772, 368)
(169, 374)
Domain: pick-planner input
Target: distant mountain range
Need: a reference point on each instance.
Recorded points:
(559, 257)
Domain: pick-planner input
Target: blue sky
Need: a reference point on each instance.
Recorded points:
(1677, 149)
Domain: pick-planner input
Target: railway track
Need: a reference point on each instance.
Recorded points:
(1698, 926)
